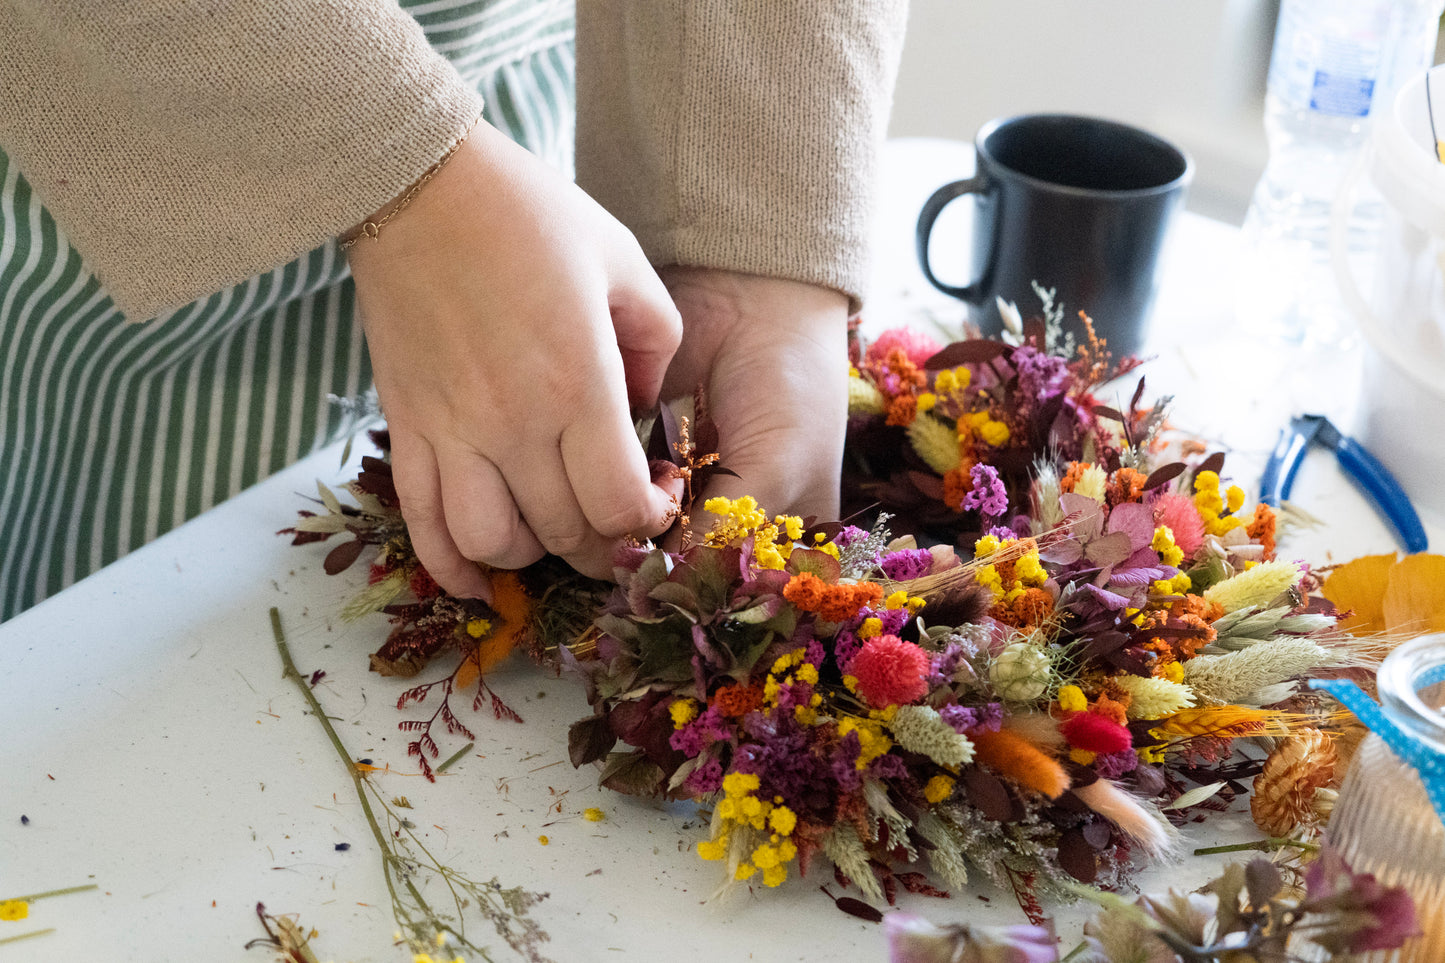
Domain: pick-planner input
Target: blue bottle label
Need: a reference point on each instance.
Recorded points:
(1342, 94)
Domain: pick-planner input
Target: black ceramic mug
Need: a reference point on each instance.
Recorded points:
(1078, 204)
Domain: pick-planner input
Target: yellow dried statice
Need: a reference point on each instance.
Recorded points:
(1235, 675)
(935, 442)
(1292, 790)
(922, 730)
(1255, 586)
(1154, 698)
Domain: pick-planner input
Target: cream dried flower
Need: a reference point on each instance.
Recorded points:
(1258, 586)
(935, 442)
(1300, 767)
(945, 854)
(1154, 698)
(1021, 672)
(1235, 675)
(864, 398)
(1094, 482)
(922, 730)
(846, 850)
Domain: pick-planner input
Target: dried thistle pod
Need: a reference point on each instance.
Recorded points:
(1285, 790)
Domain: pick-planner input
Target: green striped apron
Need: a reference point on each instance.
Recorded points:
(113, 433)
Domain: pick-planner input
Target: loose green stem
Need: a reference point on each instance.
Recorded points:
(26, 936)
(1259, 845)
(32, 897)
(455, 756)
(295, 675)
(1076, 953)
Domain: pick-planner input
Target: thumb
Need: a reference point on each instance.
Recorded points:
(648, 329)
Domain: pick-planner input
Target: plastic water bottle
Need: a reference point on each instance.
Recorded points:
(1335, 64)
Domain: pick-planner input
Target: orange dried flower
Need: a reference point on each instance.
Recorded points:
(845, 601)
(736, 701)
(1113, 705)
(902, 410)
(1028, 610)
(805, 590)
(1163, 650)
(835, 603)
(957, 482)
(1013, 756)
(1284, 791)
(1262, 527)
(1126, 485)
(1072, 476)
(1196, 606)
(1187, 646)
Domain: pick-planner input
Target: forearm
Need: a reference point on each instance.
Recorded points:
(742, 137)
(185, 147)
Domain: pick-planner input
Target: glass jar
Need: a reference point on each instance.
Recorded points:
(1385, 821)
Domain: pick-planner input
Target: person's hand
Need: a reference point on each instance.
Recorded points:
(511, 321)
(772, 355)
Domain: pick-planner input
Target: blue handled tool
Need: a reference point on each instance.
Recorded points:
(1389, 498)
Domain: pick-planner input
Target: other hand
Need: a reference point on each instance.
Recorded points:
(773, 357)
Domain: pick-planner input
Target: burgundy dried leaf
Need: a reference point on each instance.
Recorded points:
(858, 908)
(1077, 857)
(589, 740)
(1104, 411)
(1035, 330)
(990, 795)
(929, 485)
(704, 429)
(1138, 395)
(1214, 463)
(1098, 833)
(976, 351)
(339, 559)
(1163, 475)
(662, 442)
(701, 475)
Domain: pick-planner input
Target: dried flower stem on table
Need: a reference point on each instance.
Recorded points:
(506, 909)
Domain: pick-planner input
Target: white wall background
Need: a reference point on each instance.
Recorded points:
(1190, 70)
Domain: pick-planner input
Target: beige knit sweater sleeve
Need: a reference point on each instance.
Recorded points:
(184, 147)
(742, 134)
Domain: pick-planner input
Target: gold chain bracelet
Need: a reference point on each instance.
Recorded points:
(372, 229)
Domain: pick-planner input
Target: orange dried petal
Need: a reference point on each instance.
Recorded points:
(1360, 585)
(1414, 599)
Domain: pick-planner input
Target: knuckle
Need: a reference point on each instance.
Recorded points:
(615, 521)
(566, 542)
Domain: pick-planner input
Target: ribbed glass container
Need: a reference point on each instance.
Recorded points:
(1383, 822)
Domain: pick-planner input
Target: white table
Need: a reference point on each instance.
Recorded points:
(148, 736)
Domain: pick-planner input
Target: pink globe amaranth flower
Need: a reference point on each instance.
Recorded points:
(917, 346)
(890, 671)
(1178, 512)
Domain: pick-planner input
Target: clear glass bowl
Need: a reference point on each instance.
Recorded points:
(1383, 822)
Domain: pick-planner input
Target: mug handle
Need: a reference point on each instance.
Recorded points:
(931, 209)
